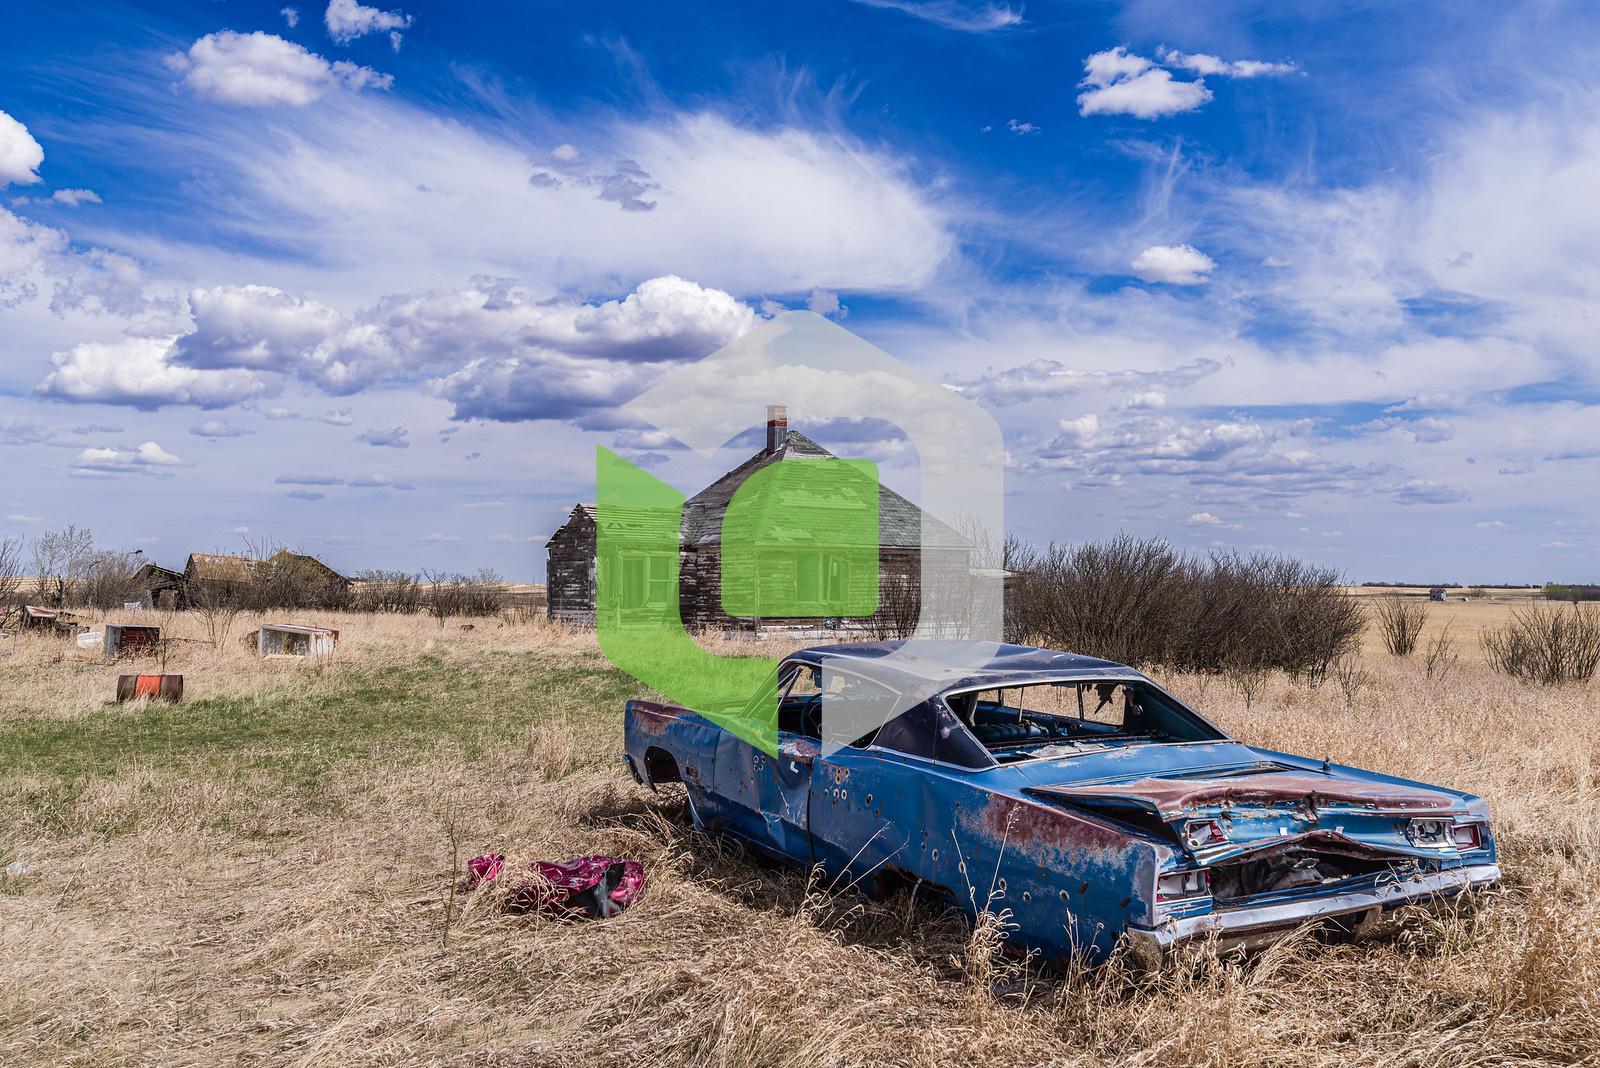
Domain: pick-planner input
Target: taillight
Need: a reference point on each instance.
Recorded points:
(1198, 834)
(1182, 884)
(1428, 832)
(1467, 836)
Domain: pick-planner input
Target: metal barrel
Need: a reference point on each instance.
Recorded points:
(154, 687)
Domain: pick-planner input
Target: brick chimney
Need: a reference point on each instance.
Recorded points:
(777, 427)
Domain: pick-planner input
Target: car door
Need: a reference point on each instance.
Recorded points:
(765, 797)
(887, 804)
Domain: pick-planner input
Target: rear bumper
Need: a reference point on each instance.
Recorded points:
(1251, 927)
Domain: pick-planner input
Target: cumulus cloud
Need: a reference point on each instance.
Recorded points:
(73, 197)
(139, 373)
(1206, 519)
(252, 328)
(259, 69)
(576, 354)
(393, 437)
(347, 20)
(1178, 265)
(20, 154)
(826, 302)
(1122, 84)
(954, 15)
(143, 459)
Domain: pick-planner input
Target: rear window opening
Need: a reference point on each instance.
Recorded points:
(1051, 719)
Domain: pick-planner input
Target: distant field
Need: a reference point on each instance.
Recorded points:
(1467, 615)
(261, 875)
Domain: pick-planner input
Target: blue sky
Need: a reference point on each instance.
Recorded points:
(374, 281)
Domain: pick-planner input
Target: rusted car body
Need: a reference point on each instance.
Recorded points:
(1073, 792)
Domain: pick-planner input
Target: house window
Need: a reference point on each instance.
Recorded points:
(821, 578)
(646, 581)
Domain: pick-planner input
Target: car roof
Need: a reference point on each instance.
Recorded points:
(936, 665)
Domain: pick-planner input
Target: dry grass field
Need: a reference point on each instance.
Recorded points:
(262, 874)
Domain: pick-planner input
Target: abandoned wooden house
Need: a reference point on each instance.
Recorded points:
(826, 583)
(283, 578)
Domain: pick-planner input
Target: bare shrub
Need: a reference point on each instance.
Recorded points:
(58, 560)
(107, 579)
(1547, 644)
(10, 570)
(453, 594)
(217, 606)
(388, 591)
(1400, 623)
(1351, 678)
(1441, 658)
(1142, 602)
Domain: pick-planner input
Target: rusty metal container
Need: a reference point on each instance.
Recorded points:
(155, 687)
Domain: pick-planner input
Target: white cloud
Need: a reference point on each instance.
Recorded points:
(380, 481)
(1179, 265)
(1206, 519)
(122, 461)
(23, 432)
(306, 495)
(954, 15)
(258, 69)
(1123, 84)
(73, 197)
(826, 302)
(393, 437)
(218, 428)
(1201, 63)
(24, 519)
(347, 20)
(1145, 402)
(20, 154)
(139, 373)
(291, 15)
(339, 417)
(1021, 129)
(1049, 379)
(239, 530)
(252, 328)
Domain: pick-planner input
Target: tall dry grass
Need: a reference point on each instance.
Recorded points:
(211, 911)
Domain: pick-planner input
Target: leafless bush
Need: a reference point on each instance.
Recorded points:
(217, 606)
(388, 591)
(1547, 644)
(108, 578)
(1441, 658)
(1142, 602)
(1351, 678)
(10, 570)
(280, 578)
(1400, 623)
(452, 594)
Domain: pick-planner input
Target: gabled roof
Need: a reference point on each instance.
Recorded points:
(900, 523)
(212, 567)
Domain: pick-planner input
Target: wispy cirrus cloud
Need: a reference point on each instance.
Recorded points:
(955, 15)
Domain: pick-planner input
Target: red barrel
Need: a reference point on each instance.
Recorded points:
(155, 687)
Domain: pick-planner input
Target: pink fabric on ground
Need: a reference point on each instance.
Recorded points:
(568, 888)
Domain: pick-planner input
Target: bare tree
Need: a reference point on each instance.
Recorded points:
(10, 570)
(107, 579)
(58, 559)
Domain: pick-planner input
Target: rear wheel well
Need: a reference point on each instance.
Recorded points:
(660, 766)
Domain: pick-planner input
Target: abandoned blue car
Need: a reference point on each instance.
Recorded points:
(1076, 793)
